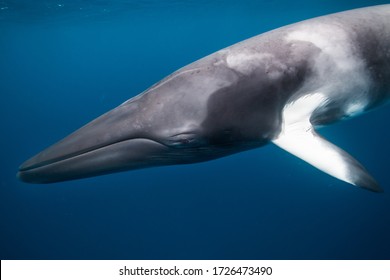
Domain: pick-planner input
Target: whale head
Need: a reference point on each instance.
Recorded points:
(191, 116)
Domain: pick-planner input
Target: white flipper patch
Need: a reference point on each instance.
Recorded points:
(299, 138)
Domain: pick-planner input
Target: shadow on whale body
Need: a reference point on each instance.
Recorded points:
(275, 87)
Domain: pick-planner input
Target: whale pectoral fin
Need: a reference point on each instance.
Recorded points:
(303, 141)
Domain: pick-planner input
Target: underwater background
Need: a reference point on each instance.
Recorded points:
(63, 63)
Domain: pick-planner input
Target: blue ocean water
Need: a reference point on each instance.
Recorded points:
(63, 63)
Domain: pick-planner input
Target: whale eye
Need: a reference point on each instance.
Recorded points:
(184, 140)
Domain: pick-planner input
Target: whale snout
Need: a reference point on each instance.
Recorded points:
(119, 156)
(110, 143)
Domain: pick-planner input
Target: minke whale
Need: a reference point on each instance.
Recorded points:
(278, 87)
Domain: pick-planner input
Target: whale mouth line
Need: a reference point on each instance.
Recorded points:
(29, 167)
